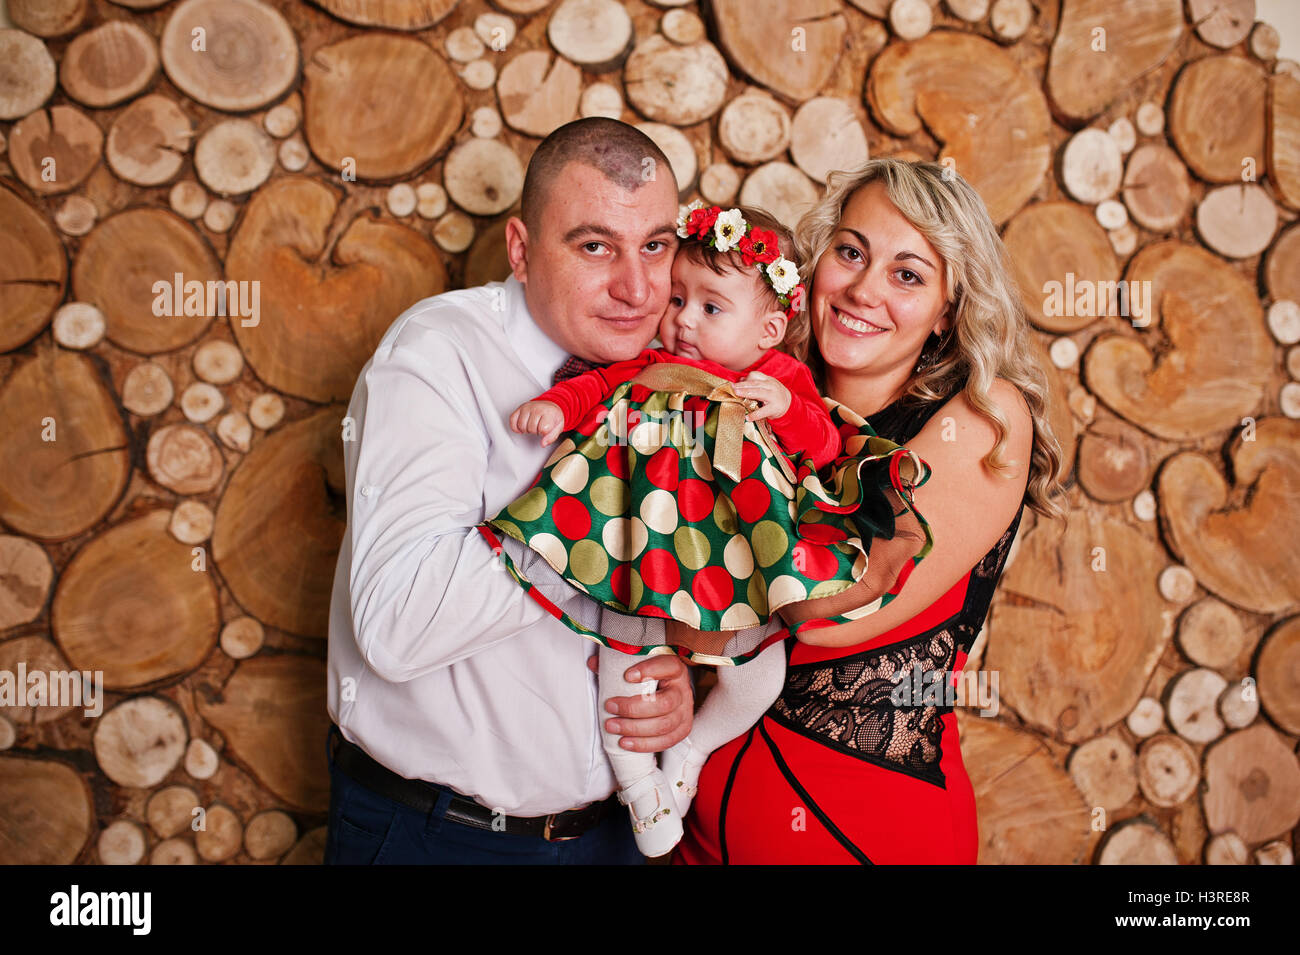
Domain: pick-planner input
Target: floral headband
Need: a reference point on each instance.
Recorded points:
(728, 231)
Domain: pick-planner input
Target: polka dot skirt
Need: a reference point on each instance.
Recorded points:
(630, 510)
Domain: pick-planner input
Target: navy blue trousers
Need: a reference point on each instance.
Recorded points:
(366, 828)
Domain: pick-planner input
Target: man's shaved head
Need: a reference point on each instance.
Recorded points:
(621, 153)
(594, 240)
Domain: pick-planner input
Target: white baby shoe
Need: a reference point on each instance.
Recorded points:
(681, 765)
(656, 822)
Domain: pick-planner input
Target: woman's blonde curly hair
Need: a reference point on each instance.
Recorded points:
(990, 337)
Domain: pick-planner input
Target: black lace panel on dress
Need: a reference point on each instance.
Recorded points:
(846, 703)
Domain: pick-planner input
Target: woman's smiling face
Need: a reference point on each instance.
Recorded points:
(878, 289)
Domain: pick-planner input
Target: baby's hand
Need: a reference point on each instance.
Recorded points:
(772, 396)
(538, 417)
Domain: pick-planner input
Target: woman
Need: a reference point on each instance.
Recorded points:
(914, 325)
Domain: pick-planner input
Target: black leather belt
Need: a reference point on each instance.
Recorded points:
(422, 796)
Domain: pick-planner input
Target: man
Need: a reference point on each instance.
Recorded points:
(467, 713)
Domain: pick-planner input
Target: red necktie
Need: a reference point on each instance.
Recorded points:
(573, 365)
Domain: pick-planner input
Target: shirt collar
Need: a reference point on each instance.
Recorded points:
(540, 354)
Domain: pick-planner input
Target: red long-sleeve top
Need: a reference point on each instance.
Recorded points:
(805, 427)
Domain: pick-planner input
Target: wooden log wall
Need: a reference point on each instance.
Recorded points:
(171, 477)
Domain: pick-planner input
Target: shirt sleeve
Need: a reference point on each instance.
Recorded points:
(426, 589)
(578, 395)
(806, 425)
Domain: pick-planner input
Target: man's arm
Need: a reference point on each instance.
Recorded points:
(426, 589)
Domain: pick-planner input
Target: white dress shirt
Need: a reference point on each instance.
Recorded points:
(440, 666)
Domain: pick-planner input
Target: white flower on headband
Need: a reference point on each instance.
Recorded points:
(684, 213)
(728, 230)
(783, 275)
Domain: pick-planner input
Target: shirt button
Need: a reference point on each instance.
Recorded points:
(367, 490)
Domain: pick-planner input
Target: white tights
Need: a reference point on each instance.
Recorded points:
(741, 696)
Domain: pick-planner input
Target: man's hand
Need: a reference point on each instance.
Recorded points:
(538, 417)
(652, 723)
(772, 396)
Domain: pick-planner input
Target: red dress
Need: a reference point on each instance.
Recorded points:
(806, 426)
(836, 772)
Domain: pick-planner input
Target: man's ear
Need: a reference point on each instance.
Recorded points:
(517, 247)
(774, 323)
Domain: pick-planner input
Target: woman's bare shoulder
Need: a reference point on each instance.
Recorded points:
(1011, 400)
(967, 504)
(966, 431)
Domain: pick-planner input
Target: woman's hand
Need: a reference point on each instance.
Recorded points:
(658, 720)
(538, 417)
(773, 397)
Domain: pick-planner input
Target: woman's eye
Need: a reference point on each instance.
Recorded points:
(846, 250)
(909, 281)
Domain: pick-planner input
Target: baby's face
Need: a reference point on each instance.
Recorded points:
(721, 318)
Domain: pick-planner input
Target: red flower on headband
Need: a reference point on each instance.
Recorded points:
(759, 245)
(701, 221)
(796, 302)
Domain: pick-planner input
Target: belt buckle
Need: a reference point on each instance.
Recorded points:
(546, 830)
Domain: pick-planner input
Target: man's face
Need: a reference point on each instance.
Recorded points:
(597, 276)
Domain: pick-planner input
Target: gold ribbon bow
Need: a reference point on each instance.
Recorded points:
(727, 442)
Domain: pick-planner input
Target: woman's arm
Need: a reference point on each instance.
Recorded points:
(967, 504)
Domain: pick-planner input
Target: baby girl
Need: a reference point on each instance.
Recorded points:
(673, 495)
